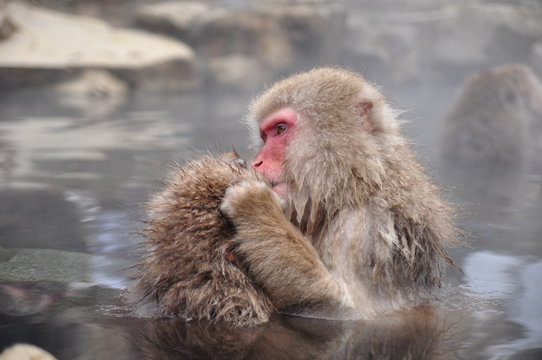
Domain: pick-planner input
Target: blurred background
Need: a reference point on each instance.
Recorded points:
(99, 97)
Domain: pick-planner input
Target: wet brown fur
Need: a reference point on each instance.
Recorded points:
(190, 268)
(370, 227)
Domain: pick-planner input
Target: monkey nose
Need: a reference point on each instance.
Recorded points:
(256, 164)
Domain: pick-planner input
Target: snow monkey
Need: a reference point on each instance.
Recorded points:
(190, 269)
(357, 228)
(488, 132)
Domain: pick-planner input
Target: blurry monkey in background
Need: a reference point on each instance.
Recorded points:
(488, 131)
(493, 135)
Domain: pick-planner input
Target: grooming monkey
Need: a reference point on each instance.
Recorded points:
(363, 229)
(346, 226)
(190, 269)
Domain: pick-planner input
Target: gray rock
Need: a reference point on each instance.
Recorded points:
(382, 47)
(232, 71)
(95, 92)
(46, 265)
(418, 41)
(276, 38)
(33, 281)
(51, 46)
(57, 266)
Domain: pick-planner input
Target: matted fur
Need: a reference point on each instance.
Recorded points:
(186, 271)
(373, 227)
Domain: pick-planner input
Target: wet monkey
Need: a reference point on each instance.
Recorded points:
(351, 225)
(189, 268)
(345, 223)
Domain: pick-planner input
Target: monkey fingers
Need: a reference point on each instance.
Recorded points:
(281, 259)
(249, 198)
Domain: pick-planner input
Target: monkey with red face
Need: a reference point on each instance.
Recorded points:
(351, 226)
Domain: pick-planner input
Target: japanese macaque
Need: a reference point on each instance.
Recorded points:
(490, 136)
(488, 131)
(358, 228)
(190, 269)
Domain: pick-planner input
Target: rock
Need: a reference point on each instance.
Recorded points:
(94, 84)
(231, 71)
(177, 19)
(116, 12)
(25, 352)
(33, 281)
(7, 27)
(487, 33)
(381, 47)
(95, 92)
(56, 266)
(429, 43)
(276, 38)
(71, 44)
(46, 265)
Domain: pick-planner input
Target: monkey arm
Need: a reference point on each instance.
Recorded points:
(280, 258)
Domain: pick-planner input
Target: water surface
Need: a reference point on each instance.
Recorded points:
(73, 175)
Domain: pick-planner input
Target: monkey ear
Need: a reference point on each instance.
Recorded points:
(365, 107)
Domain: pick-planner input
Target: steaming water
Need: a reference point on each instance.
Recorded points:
(73, 177)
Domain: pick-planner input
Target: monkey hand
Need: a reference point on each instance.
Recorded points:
(249, 199)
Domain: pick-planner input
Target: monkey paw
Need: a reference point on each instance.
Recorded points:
(249, 198)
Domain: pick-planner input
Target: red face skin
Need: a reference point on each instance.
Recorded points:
(276, 131)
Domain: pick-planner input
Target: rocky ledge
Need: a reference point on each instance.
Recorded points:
(40, 46)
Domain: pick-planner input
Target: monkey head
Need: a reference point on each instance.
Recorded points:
(321, 132)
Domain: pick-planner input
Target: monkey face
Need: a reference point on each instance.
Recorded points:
(276, 131)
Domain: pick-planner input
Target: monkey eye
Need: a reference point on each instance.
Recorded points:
(281, 129)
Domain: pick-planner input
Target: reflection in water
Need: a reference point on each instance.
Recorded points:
(491, 273)
(86, 333)
(416, 334)
(514, 286)
(527, 313)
